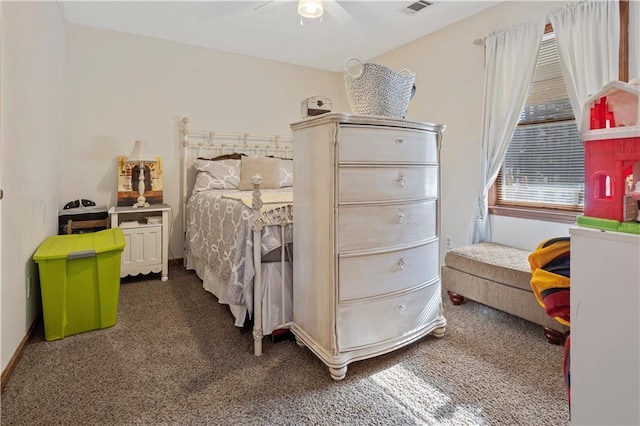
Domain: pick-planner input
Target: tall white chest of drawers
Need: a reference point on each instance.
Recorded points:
(366, 236)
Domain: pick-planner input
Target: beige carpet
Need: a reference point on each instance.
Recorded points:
(175, 358)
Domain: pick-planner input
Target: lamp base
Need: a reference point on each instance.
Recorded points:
(141, 201)
(140, 204)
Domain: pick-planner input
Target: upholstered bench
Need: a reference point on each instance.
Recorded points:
(498, 276)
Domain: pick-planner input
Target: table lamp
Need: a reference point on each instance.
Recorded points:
(140, 159)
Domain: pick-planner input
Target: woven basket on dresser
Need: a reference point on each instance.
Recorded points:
(378, 90)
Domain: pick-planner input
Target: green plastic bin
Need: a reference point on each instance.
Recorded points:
(79, 281)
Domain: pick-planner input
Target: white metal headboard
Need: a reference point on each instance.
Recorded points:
(216, 143)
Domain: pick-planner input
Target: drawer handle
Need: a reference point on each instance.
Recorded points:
(402, 263)
(401, 180)
(81, 254)
(401, 308)
(402, 218)
(399, 141)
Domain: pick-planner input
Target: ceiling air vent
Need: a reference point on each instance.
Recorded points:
(416, 7)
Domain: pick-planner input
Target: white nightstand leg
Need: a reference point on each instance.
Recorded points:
(165, 245)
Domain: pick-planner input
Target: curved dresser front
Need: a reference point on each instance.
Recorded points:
(366, 240)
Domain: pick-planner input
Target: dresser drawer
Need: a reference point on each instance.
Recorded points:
(377, 320)
(367, 227)
(378, 274)
(386, 145)
(361, 183)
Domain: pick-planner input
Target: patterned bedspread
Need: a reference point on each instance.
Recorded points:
(218, 232)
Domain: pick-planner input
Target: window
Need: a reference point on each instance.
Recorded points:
(541, 178)
(544, 166)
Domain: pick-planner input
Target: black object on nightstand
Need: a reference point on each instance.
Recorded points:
(81, 214)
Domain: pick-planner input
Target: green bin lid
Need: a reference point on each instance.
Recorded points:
(61, 246)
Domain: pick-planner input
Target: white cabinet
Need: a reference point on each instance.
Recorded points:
(605, 327)
(146, 233)
(366, 236)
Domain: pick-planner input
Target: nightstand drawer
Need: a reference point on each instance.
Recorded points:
(143, 249)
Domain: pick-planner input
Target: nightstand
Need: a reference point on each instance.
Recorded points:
(146, 233)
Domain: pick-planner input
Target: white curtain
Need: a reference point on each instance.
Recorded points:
(587, 35)
(510, 61)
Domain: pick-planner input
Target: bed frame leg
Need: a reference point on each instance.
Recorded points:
(257, 342)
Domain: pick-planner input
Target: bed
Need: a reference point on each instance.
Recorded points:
(237, 223)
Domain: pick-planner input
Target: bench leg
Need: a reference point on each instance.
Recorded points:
(553, 336)
(456, 299)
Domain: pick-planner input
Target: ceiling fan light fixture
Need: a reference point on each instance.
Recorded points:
(310, 8)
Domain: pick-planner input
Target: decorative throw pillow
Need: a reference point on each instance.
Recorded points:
(286, 172)
(216, 174)
(267, 168)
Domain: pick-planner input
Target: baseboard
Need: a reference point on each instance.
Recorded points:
(13, 362)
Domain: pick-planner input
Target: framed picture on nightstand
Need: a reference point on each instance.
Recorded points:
(128, 175)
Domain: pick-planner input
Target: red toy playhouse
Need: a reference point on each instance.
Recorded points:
(610, 131)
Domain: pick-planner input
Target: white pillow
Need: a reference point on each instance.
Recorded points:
(268, 168)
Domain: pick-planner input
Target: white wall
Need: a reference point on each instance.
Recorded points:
(122, 87)
(33, 55)
(525, 233)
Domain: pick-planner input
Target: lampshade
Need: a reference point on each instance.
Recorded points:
(138, 154)
(310, 8)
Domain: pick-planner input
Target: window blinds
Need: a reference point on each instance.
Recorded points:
(547, 99)
(544, 166)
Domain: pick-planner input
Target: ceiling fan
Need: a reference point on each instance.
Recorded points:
(315, 9)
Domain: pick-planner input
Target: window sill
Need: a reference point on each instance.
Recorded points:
(535, 214)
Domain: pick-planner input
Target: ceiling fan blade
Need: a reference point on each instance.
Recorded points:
(271, 3)
(337, 12)
(262, 4)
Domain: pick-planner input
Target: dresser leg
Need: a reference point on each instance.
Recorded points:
(338, 373)
(439, 332)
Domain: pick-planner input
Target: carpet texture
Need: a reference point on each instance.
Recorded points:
(175, 358)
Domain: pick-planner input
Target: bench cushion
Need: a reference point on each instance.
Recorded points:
(492, 261)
